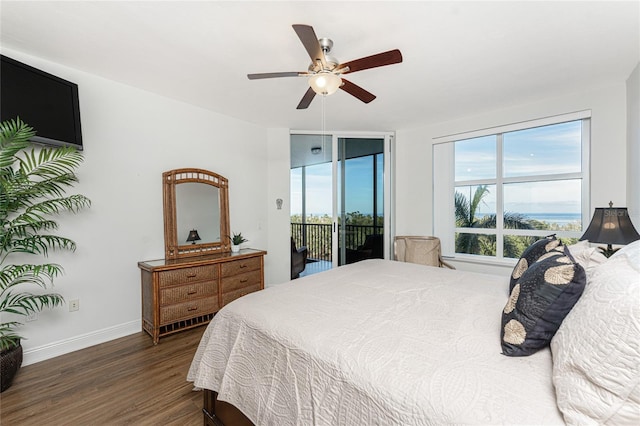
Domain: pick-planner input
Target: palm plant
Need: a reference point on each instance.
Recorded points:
(32, 188)
(238, 239)
(466, 211)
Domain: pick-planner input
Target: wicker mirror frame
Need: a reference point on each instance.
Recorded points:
(170, 180)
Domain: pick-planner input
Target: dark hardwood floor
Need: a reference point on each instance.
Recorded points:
(127, 381)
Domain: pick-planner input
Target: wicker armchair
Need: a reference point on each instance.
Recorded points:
(422, 250)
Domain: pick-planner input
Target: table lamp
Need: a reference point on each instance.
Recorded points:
(193, 236)
(610, 226)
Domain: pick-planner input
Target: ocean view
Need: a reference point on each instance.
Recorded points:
(559, 218)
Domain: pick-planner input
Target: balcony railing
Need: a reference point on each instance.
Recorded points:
(318, 238)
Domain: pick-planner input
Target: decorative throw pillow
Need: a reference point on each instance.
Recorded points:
(531, 255)
(539, 301)
(596, 351)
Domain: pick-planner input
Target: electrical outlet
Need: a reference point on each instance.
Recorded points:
(33, 316)
(74, 305)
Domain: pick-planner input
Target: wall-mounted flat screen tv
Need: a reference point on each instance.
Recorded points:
(45, 102)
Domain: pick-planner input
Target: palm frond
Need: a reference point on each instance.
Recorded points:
(41, 275)
(24, 303)
(14, 137)
(461, 210)
(12, 232)
(50, 162)
(480, 192)
(28, 191)
(41, 244)
(8, 337)
(38, 210)
(26, 225)
(488, 221)
(516, 221)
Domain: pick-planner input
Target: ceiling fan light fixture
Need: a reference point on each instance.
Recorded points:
(325, 83)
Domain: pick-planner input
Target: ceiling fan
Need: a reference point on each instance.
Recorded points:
(325, 72)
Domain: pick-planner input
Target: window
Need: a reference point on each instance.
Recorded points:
(498, 191)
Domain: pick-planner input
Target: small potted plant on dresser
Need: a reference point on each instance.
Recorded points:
(236, 240)
(32, 186)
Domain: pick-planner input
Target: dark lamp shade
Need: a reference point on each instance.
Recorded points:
(193, 236)
(611, 226)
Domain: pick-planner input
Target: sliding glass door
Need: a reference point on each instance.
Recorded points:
(360, 186)
(340, 197)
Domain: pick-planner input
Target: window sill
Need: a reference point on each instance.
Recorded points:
(482, 260)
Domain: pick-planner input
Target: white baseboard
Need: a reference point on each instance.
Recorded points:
(82, 341)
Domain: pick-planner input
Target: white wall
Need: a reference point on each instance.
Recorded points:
(130, 138)
(278, 260)
(414, 207)
(633, 146)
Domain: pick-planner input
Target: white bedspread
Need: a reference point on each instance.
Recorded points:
(374, 343)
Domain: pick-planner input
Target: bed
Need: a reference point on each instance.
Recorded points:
(381, 342)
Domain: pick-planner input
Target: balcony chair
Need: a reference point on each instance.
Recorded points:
(298, 259)
(421, 250)
(372, 248)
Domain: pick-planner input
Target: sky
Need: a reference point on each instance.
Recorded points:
(359, 187)
(547, 150)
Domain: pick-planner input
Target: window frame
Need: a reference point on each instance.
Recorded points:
(444, 185)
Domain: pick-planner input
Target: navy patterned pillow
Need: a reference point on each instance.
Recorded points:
(539, 302)
(531, 255)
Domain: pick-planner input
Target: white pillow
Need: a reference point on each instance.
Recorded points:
(596, 351)
(588, 257)
(632, 251)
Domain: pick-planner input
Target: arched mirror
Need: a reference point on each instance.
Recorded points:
(196, 213)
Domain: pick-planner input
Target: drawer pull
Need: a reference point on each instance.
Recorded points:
(194, 308)
(244, 280)
(191, 275)
(242, 265)
(192, 292)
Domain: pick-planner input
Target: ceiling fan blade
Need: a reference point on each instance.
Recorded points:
(306, 99)
(357, 91)
(373, 61)
(309, 40)
(275, 75)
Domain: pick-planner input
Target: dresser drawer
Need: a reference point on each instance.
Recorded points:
(182, 293)
(179, 311)
(187, 275)
(240, 266)
(248, 279)
(233, 295)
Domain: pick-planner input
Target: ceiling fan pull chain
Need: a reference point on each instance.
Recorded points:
(323, 118)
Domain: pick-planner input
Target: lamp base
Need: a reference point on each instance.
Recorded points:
(608, 251)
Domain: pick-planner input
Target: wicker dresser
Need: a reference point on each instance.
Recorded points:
(183, 293)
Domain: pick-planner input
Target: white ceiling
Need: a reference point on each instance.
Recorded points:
(460, 58)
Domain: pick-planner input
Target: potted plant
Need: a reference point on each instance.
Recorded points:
(236, 240)
(32, 189)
